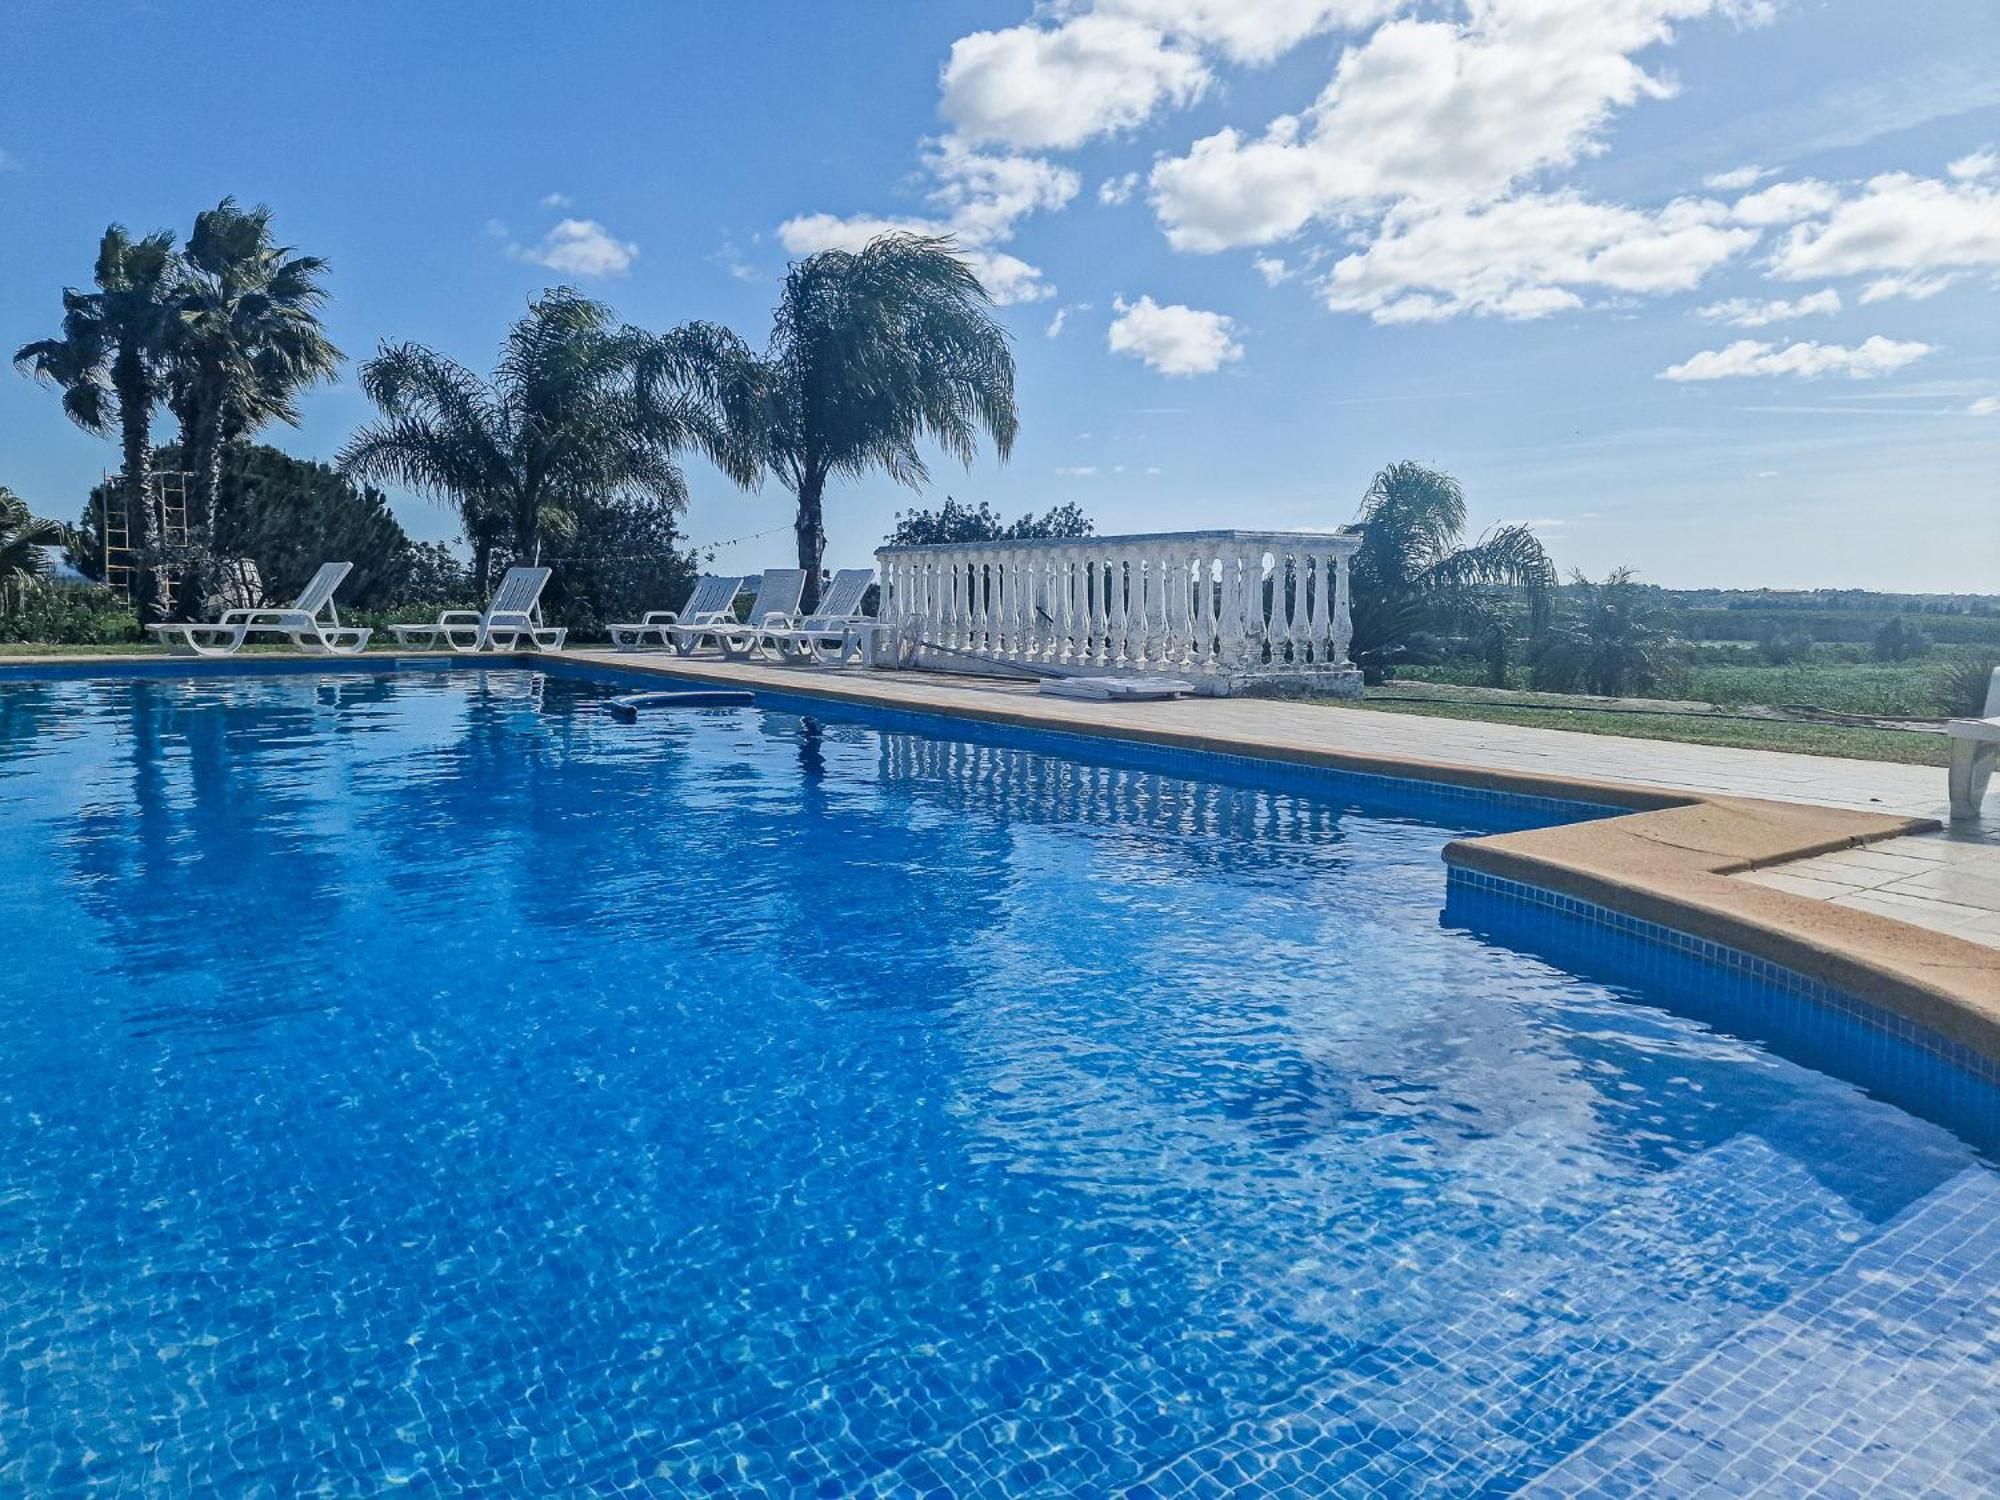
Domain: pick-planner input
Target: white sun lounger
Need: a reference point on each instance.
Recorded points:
(777, 603)
(831, 635)
(509, 620)
(301, 621)
(708, 604)
(1975, 746)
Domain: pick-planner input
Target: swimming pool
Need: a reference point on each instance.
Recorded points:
(425, 1080)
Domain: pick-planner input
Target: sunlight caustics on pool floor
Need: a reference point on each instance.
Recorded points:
(427, 1080)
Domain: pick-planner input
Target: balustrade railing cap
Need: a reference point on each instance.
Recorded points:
(1332, 541)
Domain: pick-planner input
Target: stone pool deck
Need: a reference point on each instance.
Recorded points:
(1761, 851)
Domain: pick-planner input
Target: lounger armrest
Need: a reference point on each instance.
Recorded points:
(456, 616)
(660, 617)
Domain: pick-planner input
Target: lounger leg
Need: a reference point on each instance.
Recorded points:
(1971, 772)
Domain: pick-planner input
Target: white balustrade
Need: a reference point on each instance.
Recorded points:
(1226, 610)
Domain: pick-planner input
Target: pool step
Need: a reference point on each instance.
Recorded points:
(1904, 1336)
(1475, 1397)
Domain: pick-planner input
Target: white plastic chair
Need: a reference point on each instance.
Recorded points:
(508, 620)
(831, 634)
(709, 603)
(777, 602)
(1975, 746)
(301, 621)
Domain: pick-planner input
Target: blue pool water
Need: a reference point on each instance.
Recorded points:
(425, 1081)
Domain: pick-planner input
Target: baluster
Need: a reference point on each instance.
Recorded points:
(1316, 607)
(1343, 618)
(1288, 604)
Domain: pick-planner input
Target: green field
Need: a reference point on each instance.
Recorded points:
(1902, 746)
(1912, 688)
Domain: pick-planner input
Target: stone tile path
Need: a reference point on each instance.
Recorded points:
(1947, 881)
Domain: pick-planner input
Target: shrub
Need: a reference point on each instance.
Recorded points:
(1781, 643)
(69, 614)
(1961, 684)
(1900, 638)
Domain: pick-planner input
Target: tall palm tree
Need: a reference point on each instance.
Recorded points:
(23, 542)
(248, 341)
(1413, 576)
(110, 362)
(579, 410)
(872, 351)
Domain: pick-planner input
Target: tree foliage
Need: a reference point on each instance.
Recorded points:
(25, 543)
(247, 341)
(872, 353)
(956, 522)
(1418, 586)
(1899, 638)
(623, 558)
(1611, 639)
(579, 412)
(287, 515)
(110, 362)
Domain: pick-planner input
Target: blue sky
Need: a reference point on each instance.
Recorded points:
(1705, 287)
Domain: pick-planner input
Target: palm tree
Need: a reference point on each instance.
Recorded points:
(110, 362)
(248, 341)
(871, 352)
(1414, 579)
(579, 411)
(1614, 641)
(23, 538)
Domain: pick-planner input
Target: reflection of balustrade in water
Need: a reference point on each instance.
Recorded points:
(1225, 609)
(1025, 787)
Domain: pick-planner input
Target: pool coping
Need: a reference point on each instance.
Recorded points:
(1662, 857)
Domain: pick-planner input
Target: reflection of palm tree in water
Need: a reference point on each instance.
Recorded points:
(214, 832)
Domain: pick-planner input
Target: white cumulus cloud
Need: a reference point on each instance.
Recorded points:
(579, 247)
(1082, 71)
(1528, 257)
(981, 196)
(1736, 180)
(1437, 111)
(1747, 357)
(1985, 406)
(1747, 312)
(1174, 339)
(1116, 190)
(1982, 163)
(1035, 88)
(1898, 225)
(1785, 203)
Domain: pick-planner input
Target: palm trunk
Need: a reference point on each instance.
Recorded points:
(203, 457)
(135, 421)
(202, 453)
(482, 560)
(811, 531)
